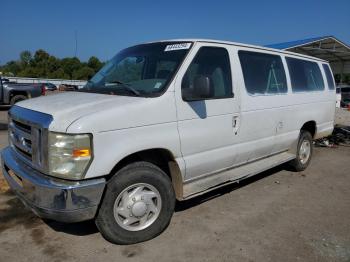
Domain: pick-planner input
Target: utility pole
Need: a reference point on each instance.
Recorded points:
(76, 43)
(76, 48)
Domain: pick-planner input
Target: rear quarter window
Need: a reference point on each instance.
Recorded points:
(305, 75)
(329, 77)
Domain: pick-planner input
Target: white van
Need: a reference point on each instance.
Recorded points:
(164, 121)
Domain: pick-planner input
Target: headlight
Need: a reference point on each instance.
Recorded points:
(69, 155)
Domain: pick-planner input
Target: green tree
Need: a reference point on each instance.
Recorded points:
(12, 68)
(41, 56)
(58, 74)
(84, 73)
(42, 64)
(94, 63)
(28, 72)
(69, 65)
(53, 64)
(25, 57)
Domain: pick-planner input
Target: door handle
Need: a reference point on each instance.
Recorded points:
(235, 124)
(280, 125)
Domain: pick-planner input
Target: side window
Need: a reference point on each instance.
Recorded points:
(263, 73)
(329, 76)
(214, 63)
(305, 75)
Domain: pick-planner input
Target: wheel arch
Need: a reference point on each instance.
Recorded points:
(311, 127)
(13, 93)
(162, 158)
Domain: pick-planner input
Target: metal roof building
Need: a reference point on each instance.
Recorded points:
(325, 47)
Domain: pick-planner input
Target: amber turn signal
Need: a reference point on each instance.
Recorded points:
(81, 152)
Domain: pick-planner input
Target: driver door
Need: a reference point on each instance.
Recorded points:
(208, 128)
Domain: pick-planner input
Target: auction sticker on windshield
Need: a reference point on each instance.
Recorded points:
(177, 47)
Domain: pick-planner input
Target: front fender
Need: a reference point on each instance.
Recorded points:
(112, 146)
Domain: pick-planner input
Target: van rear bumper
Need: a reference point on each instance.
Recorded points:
(48, 197)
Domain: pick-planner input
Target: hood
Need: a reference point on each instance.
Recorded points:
(94, 112)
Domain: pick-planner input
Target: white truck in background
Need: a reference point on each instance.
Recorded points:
(164, 121)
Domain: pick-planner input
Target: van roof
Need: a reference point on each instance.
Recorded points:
(242, 45)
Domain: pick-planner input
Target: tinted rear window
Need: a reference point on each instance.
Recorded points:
(305, 75)
(329, 77)
(263, 73)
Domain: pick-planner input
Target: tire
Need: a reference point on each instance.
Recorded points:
(136, 175)
(17, 98)
(301, 162)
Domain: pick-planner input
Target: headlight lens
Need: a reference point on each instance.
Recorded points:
(69, 155)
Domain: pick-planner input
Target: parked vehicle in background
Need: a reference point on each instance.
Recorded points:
(49, 86)
(164, 121)
(67, 87)
(343, 94)
(338, 97)
(11, 93)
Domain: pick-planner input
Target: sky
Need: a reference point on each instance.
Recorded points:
(105, 27)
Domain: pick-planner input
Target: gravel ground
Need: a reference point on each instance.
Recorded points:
(275, 216)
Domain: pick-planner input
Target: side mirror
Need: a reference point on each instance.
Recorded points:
(202, 89)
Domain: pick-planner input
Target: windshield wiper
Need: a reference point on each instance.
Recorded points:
(127, 87)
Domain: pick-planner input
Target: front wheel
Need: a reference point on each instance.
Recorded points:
(138, 204)
(304, 152)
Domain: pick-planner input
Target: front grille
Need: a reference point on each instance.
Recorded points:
(21, 138)
(28, 136)
(22, 126)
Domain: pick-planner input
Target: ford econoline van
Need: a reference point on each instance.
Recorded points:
(163, 121)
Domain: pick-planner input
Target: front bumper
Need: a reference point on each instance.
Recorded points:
(48, 197)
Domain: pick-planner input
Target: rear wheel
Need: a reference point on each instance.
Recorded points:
(304, 152)
(17, 98)
(138, 204)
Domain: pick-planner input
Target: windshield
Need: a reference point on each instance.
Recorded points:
(143, 70)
